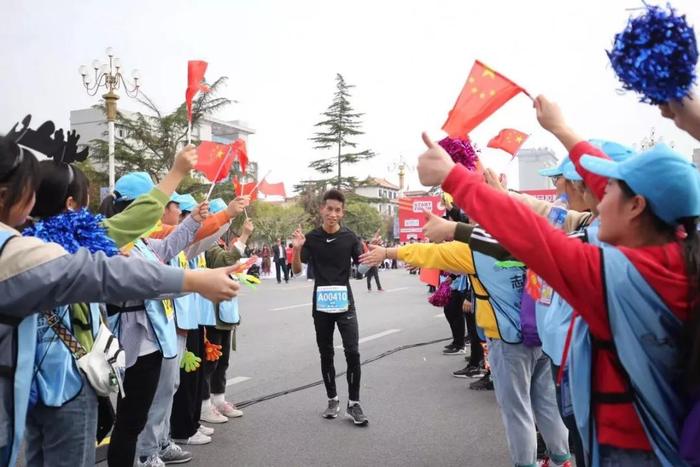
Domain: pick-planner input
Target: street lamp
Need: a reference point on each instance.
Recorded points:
(109, 76)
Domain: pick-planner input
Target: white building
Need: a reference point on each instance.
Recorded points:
(91, 124)
(530, 161)
(383, 193)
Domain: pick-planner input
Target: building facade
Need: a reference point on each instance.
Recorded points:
(384, 195)
(530, 161)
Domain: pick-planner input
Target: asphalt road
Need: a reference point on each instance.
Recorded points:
(419, 414)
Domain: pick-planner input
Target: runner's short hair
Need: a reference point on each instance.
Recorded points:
(335, 195)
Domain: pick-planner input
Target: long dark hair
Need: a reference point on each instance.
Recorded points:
(19, 175)
(59, 181)
(110, 206)
(690, 345)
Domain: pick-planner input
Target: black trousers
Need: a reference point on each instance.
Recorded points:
(215, 372)
(281, 264)
(290, 270)
(373, 272)
(347, 325)
(140, 384)
(455, 318)
(477, 351)
(187, 403)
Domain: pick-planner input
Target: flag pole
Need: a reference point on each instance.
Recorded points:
(189, 132)
(218, 172)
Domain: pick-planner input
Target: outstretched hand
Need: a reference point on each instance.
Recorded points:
(201, 211)
(549, 114)
(298, 238)
(434, 164)
(185, 160)
(374, 256)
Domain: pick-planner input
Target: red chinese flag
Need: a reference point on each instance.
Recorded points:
(241, 152)
(236, 186)
(214, 160)
(272, 189)
(509, 140)
(195, 78)
(250, 190)
(484, 92)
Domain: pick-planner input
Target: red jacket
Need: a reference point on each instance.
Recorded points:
(574, 270)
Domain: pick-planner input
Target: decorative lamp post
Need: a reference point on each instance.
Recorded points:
(109, 76)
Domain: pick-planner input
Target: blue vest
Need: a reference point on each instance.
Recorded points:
(24, 366)
(58, 378)
(553, 320)
(205, 308)
(504, 287)
(646, 337)
(186, 315)
(160, 313)
(228, 311)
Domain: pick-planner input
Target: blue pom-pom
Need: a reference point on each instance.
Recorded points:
(656, 55)
(74, 230)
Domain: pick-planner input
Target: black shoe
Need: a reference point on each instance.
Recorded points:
(450, 346)
(484, 384)
(332, 410)
(355, 412)
(470, 371)
(455, 351)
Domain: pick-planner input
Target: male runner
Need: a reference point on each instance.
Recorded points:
(329, 250)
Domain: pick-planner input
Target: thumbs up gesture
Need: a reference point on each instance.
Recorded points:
(434, 164)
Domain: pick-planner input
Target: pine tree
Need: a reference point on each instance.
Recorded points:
(341, 123)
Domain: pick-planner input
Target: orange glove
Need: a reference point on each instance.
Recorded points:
(212, 352)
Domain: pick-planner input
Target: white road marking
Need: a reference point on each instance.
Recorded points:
(441, 315)
(236, 380)
(373, 336)
(291, 307)
(396, 289)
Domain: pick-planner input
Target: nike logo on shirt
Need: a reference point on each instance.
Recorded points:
(328, 240)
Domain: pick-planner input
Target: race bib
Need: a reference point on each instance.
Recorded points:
(332, 299)
(546, 294)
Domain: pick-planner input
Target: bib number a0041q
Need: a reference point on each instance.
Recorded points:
(332, 299)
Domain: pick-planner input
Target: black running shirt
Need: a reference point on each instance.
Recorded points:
(329, 256)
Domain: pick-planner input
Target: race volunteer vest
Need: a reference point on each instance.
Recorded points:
(646, 336)
(504, 287)
(58, 378)
(22, 378)
(186, 315)
(553, 320)
(205, 309)
(160, 313)
(228, 311)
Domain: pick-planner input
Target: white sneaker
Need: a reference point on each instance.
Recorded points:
(205, 430)
(212, 415)
(196, 439)
(152, 461)
(229, 410)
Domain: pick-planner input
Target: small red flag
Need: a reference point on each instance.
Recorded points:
(509, 140)
(272, 189)
(236, 186)
(241, 152)
(250, 190)
(214, 160)
(484, 92)
(195, 83)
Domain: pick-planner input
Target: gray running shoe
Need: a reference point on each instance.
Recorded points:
(174, 454)
(355, 413)
(332, 410)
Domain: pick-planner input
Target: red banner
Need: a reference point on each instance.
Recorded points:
(545, 195)
(412, 218)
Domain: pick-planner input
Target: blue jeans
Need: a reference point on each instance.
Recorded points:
(63, 436)
(617, 457)
(524, 388)
(156, 433)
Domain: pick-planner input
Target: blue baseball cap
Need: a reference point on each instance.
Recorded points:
(177, 198)
(568, 171)
(216, 205)
(554, 171)
(187, 202)
(133, 185)
(615, 151)
(662, 176)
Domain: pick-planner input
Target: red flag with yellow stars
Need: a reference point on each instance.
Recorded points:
(250, 189)
(509, 140)
(240, 152)
(214, 160)
(484, 92)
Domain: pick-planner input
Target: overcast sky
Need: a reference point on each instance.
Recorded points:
(408, 60)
